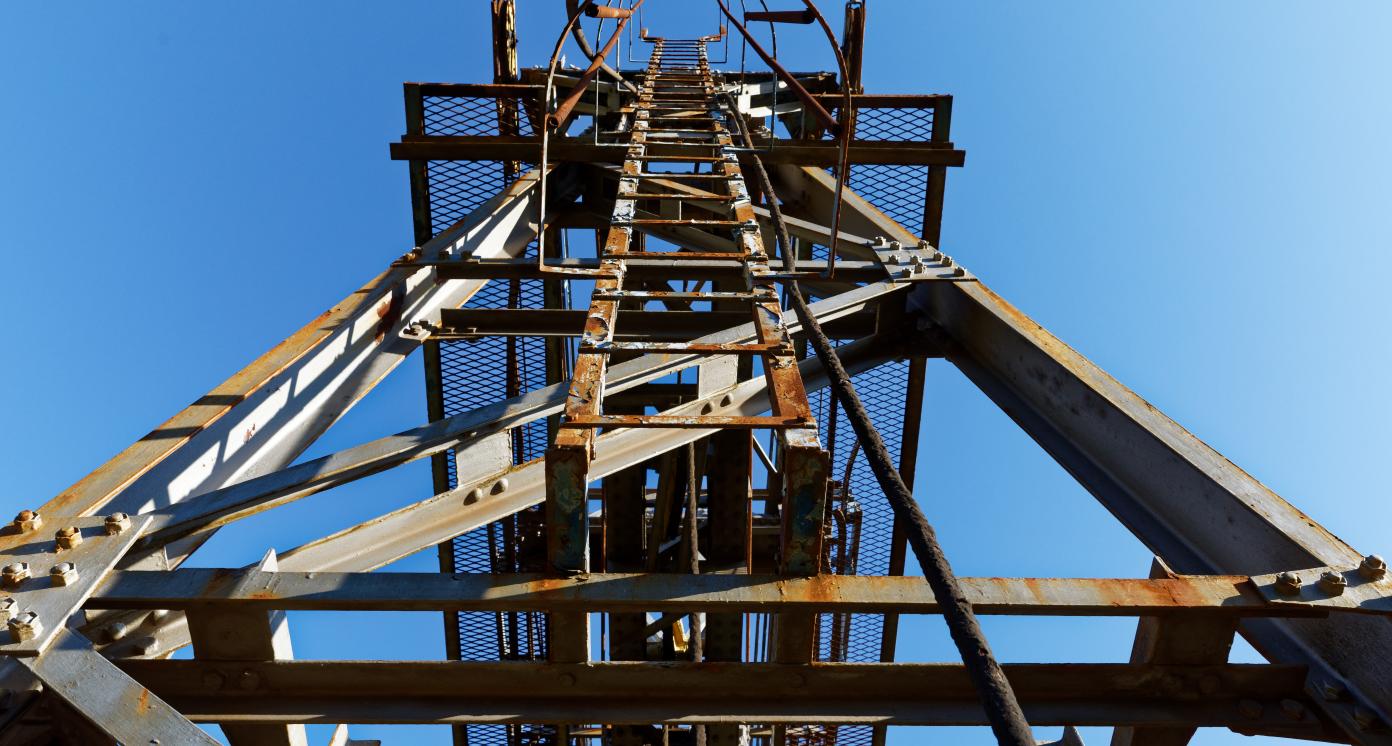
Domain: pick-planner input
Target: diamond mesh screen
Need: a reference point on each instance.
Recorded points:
(479, 372)
(862, 524)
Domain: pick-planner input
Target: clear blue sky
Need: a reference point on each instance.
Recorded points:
(1195, 195)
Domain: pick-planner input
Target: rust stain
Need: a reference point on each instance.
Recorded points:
(142, 703)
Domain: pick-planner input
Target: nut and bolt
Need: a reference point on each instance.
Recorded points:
(63, 573)
(68, 537)
(1249, 708)
(1365, 717)
(1332, 691)
(14, 574)
(24, 626)
(249, 680)
(1292, 709)
(1288, 584)
(1373, 567)
(214, 679)
(117, 523)
(1332, 583)
(7, 608)
(27, 520)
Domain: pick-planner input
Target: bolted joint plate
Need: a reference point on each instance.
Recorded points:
(917, 263)
(1357, 593)
(52, 597)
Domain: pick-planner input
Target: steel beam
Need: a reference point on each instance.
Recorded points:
(268, 413)
(1193, 508)
(637, 693)
(585, 150)
(1225, 596)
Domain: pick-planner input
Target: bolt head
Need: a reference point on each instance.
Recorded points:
(14, 574)
(63, 573)
(27, 520)
(1249, 708)
(67, 537)
(24, 626)
(117, 523)
(1332, 583)
(1292, 709)
(7, 608)
(1332, 691)
(1365, 717)
(1373, 567)
(1288, 584)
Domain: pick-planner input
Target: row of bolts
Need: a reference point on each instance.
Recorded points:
(26, 625)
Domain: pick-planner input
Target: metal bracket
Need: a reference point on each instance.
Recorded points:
(44, 585)
(1363, 589)
(917, 264)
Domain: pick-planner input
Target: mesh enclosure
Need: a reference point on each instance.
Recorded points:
(861, 528)
(479, 372)
(897, 191)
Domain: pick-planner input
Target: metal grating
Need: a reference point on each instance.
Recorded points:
(480, 372)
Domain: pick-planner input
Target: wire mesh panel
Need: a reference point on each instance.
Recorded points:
(479, 372)
(898, 191)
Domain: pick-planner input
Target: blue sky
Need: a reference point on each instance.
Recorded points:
(1194, 195)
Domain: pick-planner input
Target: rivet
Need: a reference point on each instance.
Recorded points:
(213, 679)
(1332, 691)
(1209, 684)
(1249, 708)
(1292, 709)
(568, 679)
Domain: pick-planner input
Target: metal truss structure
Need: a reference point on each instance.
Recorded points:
(670, 463)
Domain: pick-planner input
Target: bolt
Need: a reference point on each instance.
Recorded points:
(1288, 584)
(959, 272)
(27, 520)
(249, 680)
(1292, 709)
(1209, 684)
(473, 496)
(146, 645)
(24, 626)
(14, 574)
(1365, 717)
(1332, 583)
(68, 537)
(1332, 691)
(500, 486)
(117, 523)
(1373, 567)
(1249, 708)
(923, 244)
(568, 679)
(945, 259)
(214, 679)
(63, 573)
(7, 608)
(115, 631)
(895, 245)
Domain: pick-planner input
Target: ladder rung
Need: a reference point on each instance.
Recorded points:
(691, 348)
(675, 421)
(680, 195)
(689, 222)
(677, 175)
(765, 295)
(684, 255)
